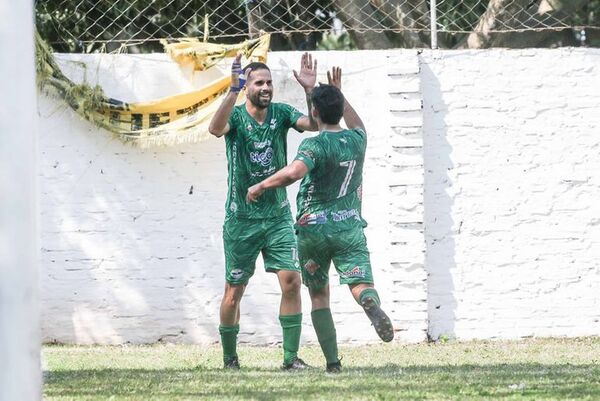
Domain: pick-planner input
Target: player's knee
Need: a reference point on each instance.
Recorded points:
(233, 295)
(319, 296)
(290, 286)
(230, 302)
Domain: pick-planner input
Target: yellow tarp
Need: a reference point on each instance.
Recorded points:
(176, 119)
(205, 55)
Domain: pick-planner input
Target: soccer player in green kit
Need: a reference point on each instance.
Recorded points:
(329, 223)
(256, 146)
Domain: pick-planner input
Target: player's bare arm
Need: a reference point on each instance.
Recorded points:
(307, 78)
(219, 125)
(284, 177)
(334, 77)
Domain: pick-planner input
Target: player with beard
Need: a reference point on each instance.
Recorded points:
(330, 224)
(256, 146)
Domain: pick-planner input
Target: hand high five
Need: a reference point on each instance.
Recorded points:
(334, 77)
(307, 77)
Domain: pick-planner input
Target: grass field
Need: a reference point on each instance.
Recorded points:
(541, 369)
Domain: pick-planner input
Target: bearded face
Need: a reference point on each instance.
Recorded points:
(259, 88)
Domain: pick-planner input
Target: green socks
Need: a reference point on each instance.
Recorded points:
(323, 324)
(229, 341)
(292, 327)
(369, 292)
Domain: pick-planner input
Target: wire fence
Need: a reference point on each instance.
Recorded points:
(138, 25)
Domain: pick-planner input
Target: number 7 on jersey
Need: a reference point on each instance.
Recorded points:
(350, 164)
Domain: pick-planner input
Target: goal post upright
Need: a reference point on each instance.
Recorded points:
(20, 371)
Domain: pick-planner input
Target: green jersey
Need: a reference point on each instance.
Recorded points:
(254, 152)
(330, 194)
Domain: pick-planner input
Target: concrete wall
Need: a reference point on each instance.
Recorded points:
(480, 204)
(512, 182)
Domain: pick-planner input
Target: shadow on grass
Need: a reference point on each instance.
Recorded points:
(390, 382)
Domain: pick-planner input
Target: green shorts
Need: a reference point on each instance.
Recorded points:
(244, 239)
(348, 250)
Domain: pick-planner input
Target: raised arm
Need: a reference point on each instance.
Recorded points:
(350, 116)
(284, 177)
(219, 125)
(307, 78)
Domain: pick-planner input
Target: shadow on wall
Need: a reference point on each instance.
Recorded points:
(127, 253)
(439, 232)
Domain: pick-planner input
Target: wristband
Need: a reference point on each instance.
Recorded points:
(238, 79)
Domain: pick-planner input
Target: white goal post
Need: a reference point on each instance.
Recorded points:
(20, 372)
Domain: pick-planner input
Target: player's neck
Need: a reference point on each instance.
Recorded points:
(259, 114)
(330, 127)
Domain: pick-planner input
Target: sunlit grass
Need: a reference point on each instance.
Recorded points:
(546, 369)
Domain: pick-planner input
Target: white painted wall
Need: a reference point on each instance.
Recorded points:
(128, 254)
(20, 370)
(512, 183)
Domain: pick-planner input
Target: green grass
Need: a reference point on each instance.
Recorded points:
(541, 369)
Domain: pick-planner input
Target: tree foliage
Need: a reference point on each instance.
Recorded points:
(87, 25)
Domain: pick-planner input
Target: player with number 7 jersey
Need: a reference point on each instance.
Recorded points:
(330, 224)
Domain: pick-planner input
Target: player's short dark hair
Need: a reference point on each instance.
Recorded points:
(329, 102)
(254, 66)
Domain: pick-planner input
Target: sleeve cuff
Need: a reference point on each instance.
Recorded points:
(307, 161)
(294, 121)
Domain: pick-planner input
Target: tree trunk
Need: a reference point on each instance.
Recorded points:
(253, 14)
(357, 16)
(510, 15)
(410, 18)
